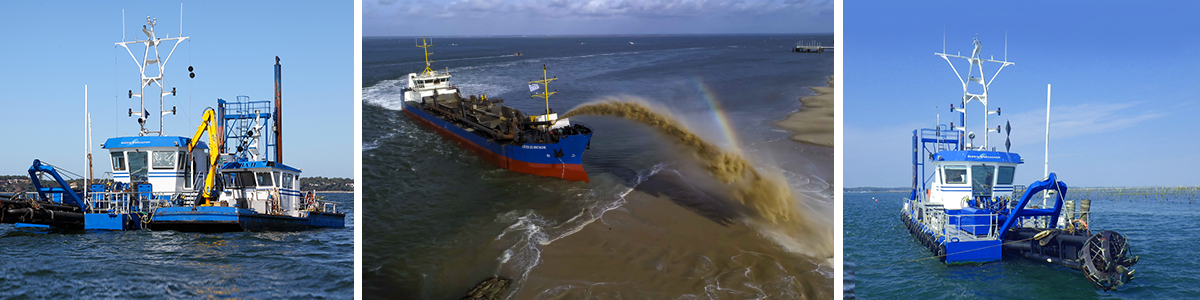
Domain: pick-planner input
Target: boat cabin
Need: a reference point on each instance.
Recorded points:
(261, 186)
(964, 177)
(161, 161)
(425, 84)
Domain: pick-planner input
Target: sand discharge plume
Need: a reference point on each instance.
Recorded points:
(767, 194)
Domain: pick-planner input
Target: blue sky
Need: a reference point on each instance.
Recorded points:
(1124, 86)
(52, 49)
(563, 17)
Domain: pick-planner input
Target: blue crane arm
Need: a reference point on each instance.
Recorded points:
(69, 196)
(1050, 183)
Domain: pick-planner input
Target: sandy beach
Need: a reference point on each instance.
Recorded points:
(678, 242)
(814, 123)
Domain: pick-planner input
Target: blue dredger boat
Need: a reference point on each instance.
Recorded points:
(965, 209)
(536, 144)
(162, 182)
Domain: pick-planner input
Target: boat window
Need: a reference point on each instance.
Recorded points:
(138, 170)
(1005, 176)
(163, 160)
(229, 179)
(182, 159)
(245, 179)
(187, 170)
(982, 177)
(288, 178)
(118, 160)
(279, 178)
(264, 179)
(955, 174)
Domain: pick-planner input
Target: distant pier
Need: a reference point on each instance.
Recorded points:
(810, 47)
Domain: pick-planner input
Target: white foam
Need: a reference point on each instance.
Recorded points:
(387, 94)
(375, 143)
(537, 232)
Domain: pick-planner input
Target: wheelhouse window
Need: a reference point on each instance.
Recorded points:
(163, 160)
(241, 180)
(288, 179)
(955, 174)
(187, 169)
(118, 161)
(982, 177)
(1005, 175)
(138, 168)
(264, 179)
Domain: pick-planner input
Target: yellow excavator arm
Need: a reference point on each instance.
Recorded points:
(215, 144)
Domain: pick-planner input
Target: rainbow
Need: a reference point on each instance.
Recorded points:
(718, 112)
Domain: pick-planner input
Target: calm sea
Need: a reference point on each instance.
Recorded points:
(147, 264)
(1163, 234)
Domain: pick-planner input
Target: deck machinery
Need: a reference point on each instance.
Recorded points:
(964, 208)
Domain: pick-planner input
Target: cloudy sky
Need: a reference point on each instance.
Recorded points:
(1124, 101)
(567, 17)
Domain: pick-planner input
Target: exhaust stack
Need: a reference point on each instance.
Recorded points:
(278, 116)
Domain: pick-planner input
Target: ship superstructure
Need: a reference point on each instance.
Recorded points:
(965, 208)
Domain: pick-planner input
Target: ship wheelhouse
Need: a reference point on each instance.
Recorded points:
(263, 187)
(427, 85)
(161, 161)
(971, 178)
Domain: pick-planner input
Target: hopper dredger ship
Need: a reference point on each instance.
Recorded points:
(964, 207)
(536, 144)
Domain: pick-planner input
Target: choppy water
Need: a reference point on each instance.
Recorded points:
(167, 264)
(442, 219)
(1163, 234)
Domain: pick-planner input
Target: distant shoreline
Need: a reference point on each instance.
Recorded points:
(814, 123)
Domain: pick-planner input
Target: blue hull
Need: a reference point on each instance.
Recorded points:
(226, 219)
(102, 221)
(563, 159)
(955, 251)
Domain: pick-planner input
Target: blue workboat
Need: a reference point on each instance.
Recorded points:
(965, 208)
(236, 181)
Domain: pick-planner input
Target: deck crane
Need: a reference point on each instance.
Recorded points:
(208, 122)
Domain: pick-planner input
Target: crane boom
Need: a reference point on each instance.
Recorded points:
(207, 123)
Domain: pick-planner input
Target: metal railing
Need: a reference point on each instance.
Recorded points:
(958, 225)
(130, 202)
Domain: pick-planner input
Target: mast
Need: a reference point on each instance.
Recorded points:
(147, 61)
(546, 83)
(1046, 171)
(87, 136)
(424, 45)
(278, 114)
(976, 63)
